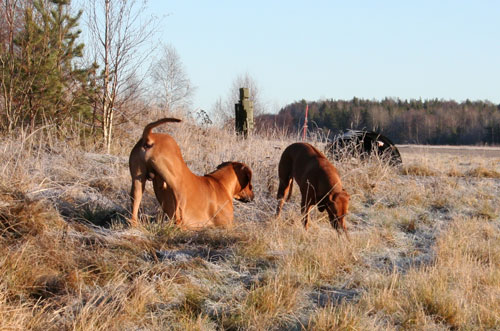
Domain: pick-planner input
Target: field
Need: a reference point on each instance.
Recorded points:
(424, 249)
(462, 151)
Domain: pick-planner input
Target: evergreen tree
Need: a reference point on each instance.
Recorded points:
(53, 88)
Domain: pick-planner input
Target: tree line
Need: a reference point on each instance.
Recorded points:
(403, 121)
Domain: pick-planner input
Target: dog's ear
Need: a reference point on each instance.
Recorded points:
(341, 202)
(246, 173)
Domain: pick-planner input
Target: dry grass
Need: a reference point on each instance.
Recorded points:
(424, 250)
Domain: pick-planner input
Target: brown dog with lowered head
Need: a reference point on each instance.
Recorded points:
(318, 180)
(192, 201)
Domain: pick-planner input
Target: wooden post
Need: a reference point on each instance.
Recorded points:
(244, 113)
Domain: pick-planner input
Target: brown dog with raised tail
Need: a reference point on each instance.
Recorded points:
(319, 184)
(192, 201)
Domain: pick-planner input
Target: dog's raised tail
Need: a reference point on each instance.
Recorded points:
(150, 126)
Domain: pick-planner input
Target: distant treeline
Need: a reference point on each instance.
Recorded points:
(414, 121)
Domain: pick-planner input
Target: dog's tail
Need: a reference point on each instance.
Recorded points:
(150, 126)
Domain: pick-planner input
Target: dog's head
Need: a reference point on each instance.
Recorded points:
(244, 189)
(337, 207)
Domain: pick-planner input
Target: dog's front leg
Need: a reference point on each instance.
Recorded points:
(305, 208)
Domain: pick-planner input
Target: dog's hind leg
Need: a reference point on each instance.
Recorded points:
(285, 189)
(136, 192)
(166, 197)
(138, 172)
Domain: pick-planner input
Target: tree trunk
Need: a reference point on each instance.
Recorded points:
(107, 118)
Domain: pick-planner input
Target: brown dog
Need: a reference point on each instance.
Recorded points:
(192, 201)
(318, 180)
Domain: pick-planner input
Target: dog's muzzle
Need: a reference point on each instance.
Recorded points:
(245, 198)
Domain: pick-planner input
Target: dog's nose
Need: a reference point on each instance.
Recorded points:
(246, 198)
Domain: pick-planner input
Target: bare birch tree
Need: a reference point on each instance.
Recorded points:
(174, 89)
(119, 33)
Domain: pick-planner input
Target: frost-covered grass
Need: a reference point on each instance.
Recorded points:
(424, 249)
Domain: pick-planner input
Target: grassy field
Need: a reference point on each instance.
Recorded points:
(424, 250)
(462, 151)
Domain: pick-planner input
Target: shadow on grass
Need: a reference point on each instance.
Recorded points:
(101, 217)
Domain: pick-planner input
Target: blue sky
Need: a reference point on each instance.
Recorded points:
(337, 49)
